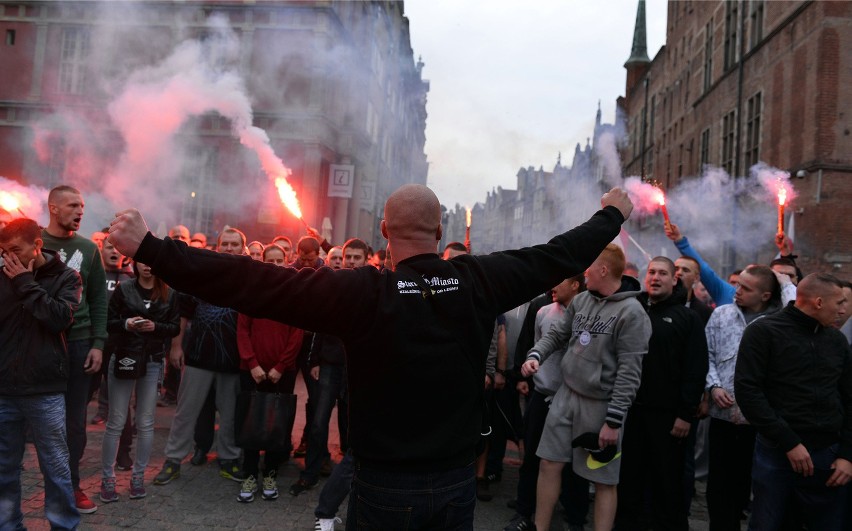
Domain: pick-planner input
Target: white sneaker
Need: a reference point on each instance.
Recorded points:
(326, 524)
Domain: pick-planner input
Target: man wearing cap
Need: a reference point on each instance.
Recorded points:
(606, 331)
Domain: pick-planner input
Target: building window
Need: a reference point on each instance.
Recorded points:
(731, 33)
(10, 37)
(752, 147)
(756, 17)
(72, 66)
(708, 55)
(728, 141)
(704, 151)
(200, 174)
(519, 212)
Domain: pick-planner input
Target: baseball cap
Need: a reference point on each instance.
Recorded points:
(598, 457)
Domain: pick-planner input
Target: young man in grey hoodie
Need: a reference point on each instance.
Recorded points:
(606, 332)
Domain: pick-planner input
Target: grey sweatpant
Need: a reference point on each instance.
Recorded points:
(194, 386)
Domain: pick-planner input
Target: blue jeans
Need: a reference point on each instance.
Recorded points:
(119, 401)
(778, 488)
(329, 389)
(45, 414)
(412, 500)
(76, 400)
(337, 488)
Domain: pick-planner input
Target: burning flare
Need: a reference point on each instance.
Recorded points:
(782, 201)
(11, 203)
(288, 196)
(661, 199)
(467, 214)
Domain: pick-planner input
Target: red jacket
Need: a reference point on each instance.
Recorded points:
(268, 344)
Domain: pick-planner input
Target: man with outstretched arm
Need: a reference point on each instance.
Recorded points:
(423, 321)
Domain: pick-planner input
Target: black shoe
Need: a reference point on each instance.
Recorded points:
(199, 457)
(302, 450)
(123, 461)
(325, 469)
(520, 523)
(301, 486)
(482, 491)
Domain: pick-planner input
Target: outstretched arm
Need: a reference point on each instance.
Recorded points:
(717, 287)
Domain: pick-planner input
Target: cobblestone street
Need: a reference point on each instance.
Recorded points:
(200, 499)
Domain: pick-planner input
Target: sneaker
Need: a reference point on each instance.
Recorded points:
(98, 419)
(199, 457)
(84, 504)
(301, 450)
(247, 490)
(170, 471)
(137, 486)
(326, 524)
(482, 490)
(166, 401)
(107, 493)
(230, 469)
(301, 486)
(123, 461)
(520, 523)
(270, 486)
(325, 469)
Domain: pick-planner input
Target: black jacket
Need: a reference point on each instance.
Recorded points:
(127, 302)
(675, 367)
(415, 353)
(794, 382)
(35, 311)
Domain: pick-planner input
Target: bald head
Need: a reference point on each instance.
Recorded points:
(413, 212)
(821, 296)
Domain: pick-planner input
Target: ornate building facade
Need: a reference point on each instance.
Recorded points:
(335, 84)
(738, 82)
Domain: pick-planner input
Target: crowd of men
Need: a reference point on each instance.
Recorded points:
(638, 387)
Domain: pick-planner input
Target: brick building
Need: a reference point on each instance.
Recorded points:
(739, 82)
(345, 90)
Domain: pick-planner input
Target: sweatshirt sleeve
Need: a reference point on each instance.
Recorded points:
(266, 291)
(55, 313)
(96, 294)
(244, 323)
(846, 396)
(514, 277)
(631, 345)
(291, 350)
(526, 336)
(556, 338)
(694, 369)
(491, 360)
(711, 332)
(718, 288)
(752, 365)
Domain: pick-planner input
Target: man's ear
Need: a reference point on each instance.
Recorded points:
(39, 244)
(384, 228)
(766, 296)
(440, 233)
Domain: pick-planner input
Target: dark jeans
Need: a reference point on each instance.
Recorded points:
(729, 473)
(76, 400)
(330, 389)
(412, 500)
(337, 488)
(45, 414)
(575, 490)
(304, 366)
(777, 488)
(651, 481)
(251, 457)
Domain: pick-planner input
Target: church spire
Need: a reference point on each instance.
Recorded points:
(639, 53)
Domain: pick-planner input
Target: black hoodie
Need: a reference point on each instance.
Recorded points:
(415, 353)
(35, 311)
(675, 367)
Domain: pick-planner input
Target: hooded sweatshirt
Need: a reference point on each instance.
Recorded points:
(606, 339)
(407, 339)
